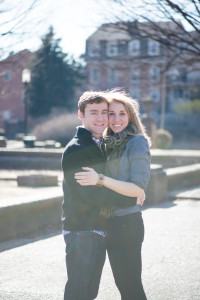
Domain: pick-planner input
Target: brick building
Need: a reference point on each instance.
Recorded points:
(12, 89)
(116, 58)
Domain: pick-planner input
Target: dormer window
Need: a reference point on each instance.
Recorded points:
(93, 49)
(112, 49)
(153, 48)
(7, 75)
(134, 48)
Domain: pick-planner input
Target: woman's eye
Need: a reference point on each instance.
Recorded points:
(111, 114)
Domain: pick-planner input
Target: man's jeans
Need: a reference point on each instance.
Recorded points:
(85, 257)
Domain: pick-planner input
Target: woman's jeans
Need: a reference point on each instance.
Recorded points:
(85, 257)
(124, 241)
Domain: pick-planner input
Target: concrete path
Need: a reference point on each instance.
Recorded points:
(193, 193)
(34, 267)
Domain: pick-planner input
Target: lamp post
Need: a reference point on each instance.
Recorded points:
(26, 78)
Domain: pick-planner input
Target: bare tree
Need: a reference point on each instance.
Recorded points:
(14, 22)
(175, 24)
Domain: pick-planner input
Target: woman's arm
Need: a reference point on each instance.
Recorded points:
(90, 177)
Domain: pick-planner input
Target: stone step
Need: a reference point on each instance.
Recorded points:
(193, 193)
(183, 177)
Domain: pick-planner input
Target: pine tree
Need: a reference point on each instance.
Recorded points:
(54, 76)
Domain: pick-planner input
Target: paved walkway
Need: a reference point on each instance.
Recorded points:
(34, 268)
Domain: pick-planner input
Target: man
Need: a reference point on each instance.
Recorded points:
(82, 225)
(83, 228)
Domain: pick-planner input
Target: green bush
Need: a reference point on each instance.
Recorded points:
(163, 139)
(188, 108)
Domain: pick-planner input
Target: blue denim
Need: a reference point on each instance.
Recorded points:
(134, 163)
(85, 257)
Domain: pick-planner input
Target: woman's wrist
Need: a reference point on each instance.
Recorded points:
(100, 180)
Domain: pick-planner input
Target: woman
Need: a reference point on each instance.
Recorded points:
(127, 173)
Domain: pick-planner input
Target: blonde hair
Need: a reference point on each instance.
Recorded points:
(132, 108)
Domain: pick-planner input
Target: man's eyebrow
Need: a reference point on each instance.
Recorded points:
(119, 111)
(94, 110)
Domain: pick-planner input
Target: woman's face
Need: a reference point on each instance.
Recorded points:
(117, 117)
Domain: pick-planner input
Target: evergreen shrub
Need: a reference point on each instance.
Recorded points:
(163, 139)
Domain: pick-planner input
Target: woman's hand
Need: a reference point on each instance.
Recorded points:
(86, 178)
(141, 199)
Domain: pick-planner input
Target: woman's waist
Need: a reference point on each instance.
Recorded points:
(126, 211)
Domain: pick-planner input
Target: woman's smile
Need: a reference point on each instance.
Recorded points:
(117, 117)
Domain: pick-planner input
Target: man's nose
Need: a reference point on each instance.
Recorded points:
(101, 117)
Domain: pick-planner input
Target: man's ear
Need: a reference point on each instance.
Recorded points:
(80, 115)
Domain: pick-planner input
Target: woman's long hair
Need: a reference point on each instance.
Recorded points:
(132, 108)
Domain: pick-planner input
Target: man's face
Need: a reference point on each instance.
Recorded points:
(95, 118)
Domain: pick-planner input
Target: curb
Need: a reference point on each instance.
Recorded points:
(23, 218)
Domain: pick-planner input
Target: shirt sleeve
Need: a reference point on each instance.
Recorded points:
(140, 161)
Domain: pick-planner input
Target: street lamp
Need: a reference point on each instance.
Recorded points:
(26, 78)
(172, 76)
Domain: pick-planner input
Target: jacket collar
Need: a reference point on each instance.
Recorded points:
(81, 132)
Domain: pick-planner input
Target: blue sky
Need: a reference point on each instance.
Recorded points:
(73, 21)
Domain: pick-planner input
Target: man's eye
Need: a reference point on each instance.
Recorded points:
(111, 114)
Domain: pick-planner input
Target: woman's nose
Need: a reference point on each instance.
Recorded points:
(116, 117)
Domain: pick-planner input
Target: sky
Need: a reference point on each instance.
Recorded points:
(73, 21)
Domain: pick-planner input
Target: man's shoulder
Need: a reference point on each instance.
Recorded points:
(73, 145)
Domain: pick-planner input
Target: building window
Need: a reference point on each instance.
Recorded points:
(178, 93)
(94, 75)
(134, 47)
(111, 49)
(153, 48)
(112, 75)
(173, 75)
(135, 93)
(155, 74)
(155, 94)
(135, 75)
(7, 75)
(93, 49)
(6, 115)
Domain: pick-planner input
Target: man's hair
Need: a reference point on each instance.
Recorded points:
(91, 97)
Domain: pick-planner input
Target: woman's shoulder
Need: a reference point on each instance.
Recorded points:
(138, 142)
(138, 139)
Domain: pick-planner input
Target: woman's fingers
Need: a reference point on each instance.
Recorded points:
(82, 182)
(140, 200)
(80, 175)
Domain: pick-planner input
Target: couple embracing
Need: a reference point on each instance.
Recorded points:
(106, 171)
